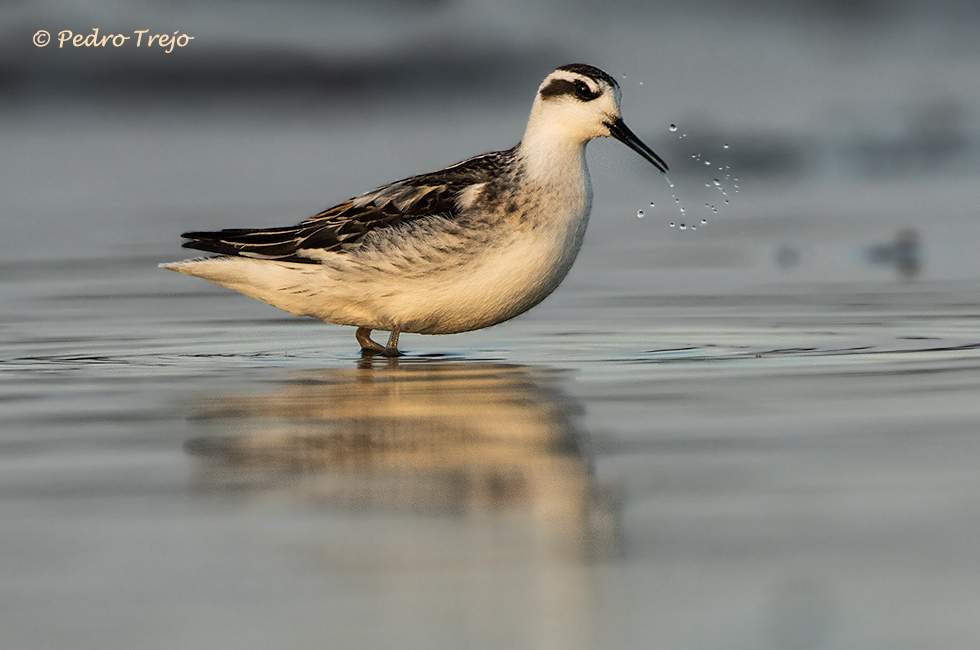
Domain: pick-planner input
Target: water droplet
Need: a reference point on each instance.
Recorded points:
(725, 147)
(651, 204)
(694, 227)
(639, 214)
(641, 83)
(707, 184)
(672, 224)
(707, 162)
(704, 221)
(726, 200)
(717, 182)
(673, 127)
(683, 209)
(683, 227)
(683, 135)
(669, 183)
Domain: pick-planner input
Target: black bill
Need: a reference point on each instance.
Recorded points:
(621, 132)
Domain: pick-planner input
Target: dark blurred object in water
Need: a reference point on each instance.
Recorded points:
(787, 257)
(903, 254)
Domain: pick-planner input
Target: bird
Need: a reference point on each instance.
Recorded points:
(454, 250)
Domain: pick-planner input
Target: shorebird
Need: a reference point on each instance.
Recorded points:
(454, 250)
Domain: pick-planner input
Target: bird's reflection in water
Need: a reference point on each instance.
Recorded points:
(428, 438)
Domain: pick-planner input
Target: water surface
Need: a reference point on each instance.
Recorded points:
(763, 434)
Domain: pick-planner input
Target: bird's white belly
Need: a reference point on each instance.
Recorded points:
(505, 281)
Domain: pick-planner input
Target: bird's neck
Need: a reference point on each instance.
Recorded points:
(550, 159)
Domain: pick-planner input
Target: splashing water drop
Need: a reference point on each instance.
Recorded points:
(673, 128)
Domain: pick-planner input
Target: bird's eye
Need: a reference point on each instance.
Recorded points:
(582, 91)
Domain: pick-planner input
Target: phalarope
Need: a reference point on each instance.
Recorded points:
(454, 250)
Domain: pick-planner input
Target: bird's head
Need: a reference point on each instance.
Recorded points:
(581, 103)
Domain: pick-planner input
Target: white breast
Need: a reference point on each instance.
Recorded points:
(515, 272)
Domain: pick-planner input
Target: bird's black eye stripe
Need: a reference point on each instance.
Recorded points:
(583, 92)
(578, 89)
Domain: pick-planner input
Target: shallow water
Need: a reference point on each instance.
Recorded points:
(784, 464)
(760, 435)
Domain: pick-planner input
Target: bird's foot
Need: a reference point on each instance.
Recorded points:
(368, 347)
(391, 348)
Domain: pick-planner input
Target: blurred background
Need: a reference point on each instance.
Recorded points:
(852, 123)
(833, 110)
(758, 431)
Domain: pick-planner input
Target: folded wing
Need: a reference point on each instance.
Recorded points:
(346, 225)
